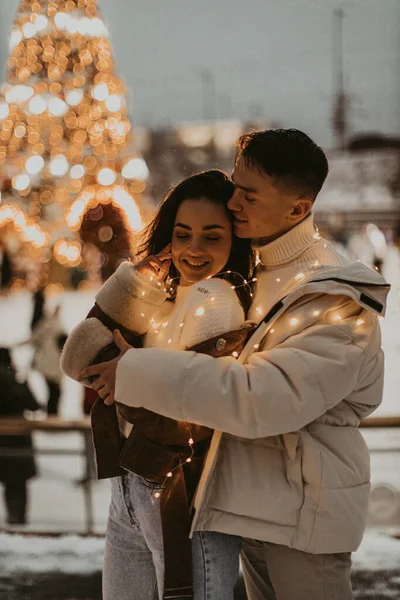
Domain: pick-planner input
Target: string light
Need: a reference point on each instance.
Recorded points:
(188, 459)
(359, 322)
(293, 321)
(337, 318)
(316, 313)
(299, 276)
(199, 312)
(235, 354)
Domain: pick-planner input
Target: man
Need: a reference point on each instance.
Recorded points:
(291, 472)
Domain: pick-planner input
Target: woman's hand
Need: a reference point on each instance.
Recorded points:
(156, 266)
(106, 372)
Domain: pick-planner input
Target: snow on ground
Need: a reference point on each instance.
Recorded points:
(74, 554)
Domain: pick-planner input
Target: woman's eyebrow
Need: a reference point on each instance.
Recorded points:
(183, 226)
(207, 227)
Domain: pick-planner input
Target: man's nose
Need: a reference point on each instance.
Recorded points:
(234, 203)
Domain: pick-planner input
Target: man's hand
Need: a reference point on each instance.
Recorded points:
(106, 372)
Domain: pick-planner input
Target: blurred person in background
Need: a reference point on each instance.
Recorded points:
(15, 471)
(48, 338)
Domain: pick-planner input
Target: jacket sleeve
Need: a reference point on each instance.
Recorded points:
(277, 391)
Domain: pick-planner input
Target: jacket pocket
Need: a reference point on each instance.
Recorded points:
(258, 479)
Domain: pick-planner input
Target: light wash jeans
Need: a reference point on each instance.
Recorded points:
(133, 561)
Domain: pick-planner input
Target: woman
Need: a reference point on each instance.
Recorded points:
(190, 286)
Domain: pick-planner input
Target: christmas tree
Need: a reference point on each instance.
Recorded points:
(68, 176)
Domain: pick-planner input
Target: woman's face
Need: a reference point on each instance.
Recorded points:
(201, 240)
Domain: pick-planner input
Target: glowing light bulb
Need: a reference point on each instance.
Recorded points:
(181, 324)
(77, 171)
(37, 105)
(113, 103)
(157, 495)
(57, 107)
(316, 263)
(293, 321)
(299, 276)
(191, 441)
(19, 93)
(277, 279)
(4, 110)
(28, 29)
(200, 311)
(59, 165)
(337, 318)
(169, 474)
(62, 20)
(235, 354)
(20, 182)
(74, 97)
(188, 460)
(34, 165)
(359, 321)
(100, 92)
(256, 346)
(212, 299)
(106, 176)
(41, 22)
(271, 330)
(316, 313)
(15, 38)
(135, 168)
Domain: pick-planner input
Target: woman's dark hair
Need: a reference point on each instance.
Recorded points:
(289, 156)
(213, 185)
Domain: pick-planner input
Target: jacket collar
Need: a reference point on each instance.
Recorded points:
(290, 245)
(357, 281)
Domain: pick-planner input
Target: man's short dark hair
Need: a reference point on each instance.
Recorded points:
(289, 156)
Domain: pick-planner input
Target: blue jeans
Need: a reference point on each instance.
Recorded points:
(134, 561)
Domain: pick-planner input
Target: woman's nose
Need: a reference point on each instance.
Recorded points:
(195, 248)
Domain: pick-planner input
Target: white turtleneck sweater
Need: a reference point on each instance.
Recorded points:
(286, 261)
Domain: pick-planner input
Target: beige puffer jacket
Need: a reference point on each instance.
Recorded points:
(292, 467)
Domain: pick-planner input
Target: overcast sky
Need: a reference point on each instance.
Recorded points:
(267, 57)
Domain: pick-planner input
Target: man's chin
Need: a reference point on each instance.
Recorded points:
(241, 232)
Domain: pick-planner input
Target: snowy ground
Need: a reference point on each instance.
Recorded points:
(69, 568)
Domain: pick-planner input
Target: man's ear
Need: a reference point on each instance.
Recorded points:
(300, 209)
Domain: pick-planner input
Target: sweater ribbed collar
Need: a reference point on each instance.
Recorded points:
(290, 245)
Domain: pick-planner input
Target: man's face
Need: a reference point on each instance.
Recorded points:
(260, 209)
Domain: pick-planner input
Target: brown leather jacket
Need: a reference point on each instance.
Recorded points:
(156, 446)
